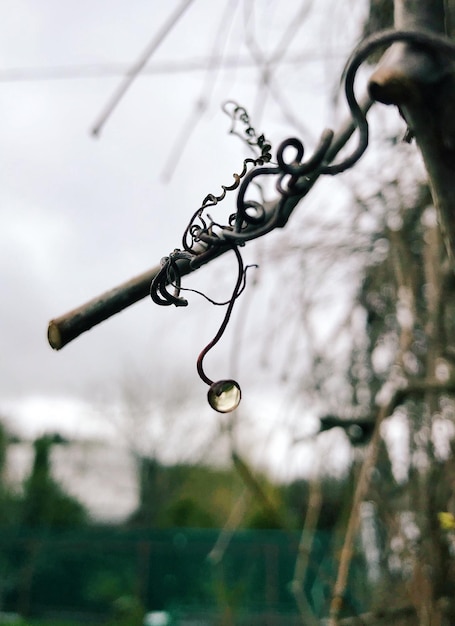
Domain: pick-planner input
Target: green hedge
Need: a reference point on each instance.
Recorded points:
(91, 571)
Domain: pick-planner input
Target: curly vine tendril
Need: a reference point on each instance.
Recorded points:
(203, 237)
(227, 316)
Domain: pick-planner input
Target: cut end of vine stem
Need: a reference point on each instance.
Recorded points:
(54, 336)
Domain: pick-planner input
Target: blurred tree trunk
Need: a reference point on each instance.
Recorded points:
(421, 83)
(410, 303)
(422, 86)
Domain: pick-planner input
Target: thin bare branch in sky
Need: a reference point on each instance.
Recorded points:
(268, 64)
(278, 96)
(158, 38)
(182, 139)
(231, 62)
(291, 31)
(215, 62)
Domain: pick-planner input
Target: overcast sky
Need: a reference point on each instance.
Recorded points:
(80, 215)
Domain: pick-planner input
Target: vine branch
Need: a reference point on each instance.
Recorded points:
(65, 328)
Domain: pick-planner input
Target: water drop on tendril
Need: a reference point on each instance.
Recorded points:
(224, 396)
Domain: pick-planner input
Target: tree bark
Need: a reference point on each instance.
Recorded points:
(421, 83)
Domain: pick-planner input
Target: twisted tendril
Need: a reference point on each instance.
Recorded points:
(203, 238)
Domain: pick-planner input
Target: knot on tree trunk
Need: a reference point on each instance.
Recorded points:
(417, 74)
(406, 75)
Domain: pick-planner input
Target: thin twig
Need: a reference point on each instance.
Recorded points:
(216, 554)
(215, 63)
(138, 66)
(252, 483)
(303, 555)
(267, 65)
(363, 483)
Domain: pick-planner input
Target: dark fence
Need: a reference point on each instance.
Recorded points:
(95, 571)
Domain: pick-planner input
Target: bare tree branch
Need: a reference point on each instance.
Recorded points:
(363, 482)
(137, 67)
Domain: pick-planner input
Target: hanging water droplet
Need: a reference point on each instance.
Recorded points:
(224, 396)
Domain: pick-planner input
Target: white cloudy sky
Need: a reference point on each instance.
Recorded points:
(80, 215)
